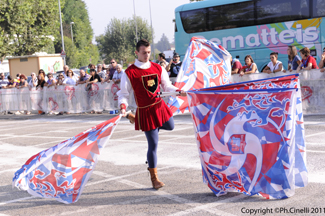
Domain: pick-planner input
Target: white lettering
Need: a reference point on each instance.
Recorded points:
(216, 40)
(311, 32)
(299, 33)
(287, 36)
(233, 41)
(256, 42)
(264, 37)
(273, 34)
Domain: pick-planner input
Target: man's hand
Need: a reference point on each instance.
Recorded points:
(182, 93)
(123, 112)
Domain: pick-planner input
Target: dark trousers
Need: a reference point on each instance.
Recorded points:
(152, 138)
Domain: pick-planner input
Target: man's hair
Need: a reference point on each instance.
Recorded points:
(162, 55)
(305, 51)
(142, 42)
(275, 54)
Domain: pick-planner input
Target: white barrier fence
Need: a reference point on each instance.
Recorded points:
(312, 84)
(73, 99)
(76, 99)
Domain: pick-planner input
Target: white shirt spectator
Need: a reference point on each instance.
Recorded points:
(274, 67)
(30, 84)
(69, 81)
(118, 75)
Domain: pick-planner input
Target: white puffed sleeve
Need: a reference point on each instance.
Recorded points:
(125, 90)
(166, 84)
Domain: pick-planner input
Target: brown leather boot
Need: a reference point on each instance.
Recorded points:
(156, 184)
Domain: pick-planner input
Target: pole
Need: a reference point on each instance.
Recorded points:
(61, 31)
(153, 44)
(71, 31)
(135, 20)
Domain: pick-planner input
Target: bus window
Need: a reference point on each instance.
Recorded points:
(231, 16)
(318, 8)
(194, 20)
(281, 10)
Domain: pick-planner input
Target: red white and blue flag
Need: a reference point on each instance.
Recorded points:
(62, 171)
(250, 137)
(205, 64)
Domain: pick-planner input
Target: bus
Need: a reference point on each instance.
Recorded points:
(253, 27)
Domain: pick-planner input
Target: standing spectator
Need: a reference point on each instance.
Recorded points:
(163, 64)
(60, 79)
(50, 81)
(65, 69)
(69, 80)
(41, 71)
(162, 58)
(249, 67)
(308, 62)
(100, 72)
(235, 65)
(3, 82)
(11, 82)
(41, 81)
(40, 84)
(83, 77)
(33, 82)
(118, 74)
(321, 63)
(112, 69)
(104, 68)
(274, 65)
(293, 58)
(18, 76)
(93, 79)
(174, 65)
(23, 82)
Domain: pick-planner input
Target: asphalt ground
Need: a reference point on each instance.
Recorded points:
(120, 184)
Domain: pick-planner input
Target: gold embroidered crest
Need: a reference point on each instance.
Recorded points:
(151, 82)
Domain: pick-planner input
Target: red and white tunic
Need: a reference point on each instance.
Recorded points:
(145, 80)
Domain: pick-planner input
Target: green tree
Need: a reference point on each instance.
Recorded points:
(26, 25)
(81, 50)
(163, 44)
(119, 40)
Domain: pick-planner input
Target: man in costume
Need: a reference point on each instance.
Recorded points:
(144, 78)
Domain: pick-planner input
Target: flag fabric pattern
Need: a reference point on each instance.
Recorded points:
(62, 171)
(246, 136)
(205, 64)
(288, 81)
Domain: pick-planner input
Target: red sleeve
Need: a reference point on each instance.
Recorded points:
(312, 60)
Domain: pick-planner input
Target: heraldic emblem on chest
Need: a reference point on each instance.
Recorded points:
(150, 82)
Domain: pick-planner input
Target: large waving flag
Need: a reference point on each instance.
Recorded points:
(247, 137)
(62, 171)
(205, 64)
(288, 81)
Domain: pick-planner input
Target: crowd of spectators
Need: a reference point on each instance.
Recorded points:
(113, 73)
(304, 62)
(103, 74)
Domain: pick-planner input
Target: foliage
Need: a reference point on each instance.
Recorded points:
(119, 39)
(81, 50)
(163, 44)
(26, 25)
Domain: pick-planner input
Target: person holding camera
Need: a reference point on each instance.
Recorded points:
(174, 65)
